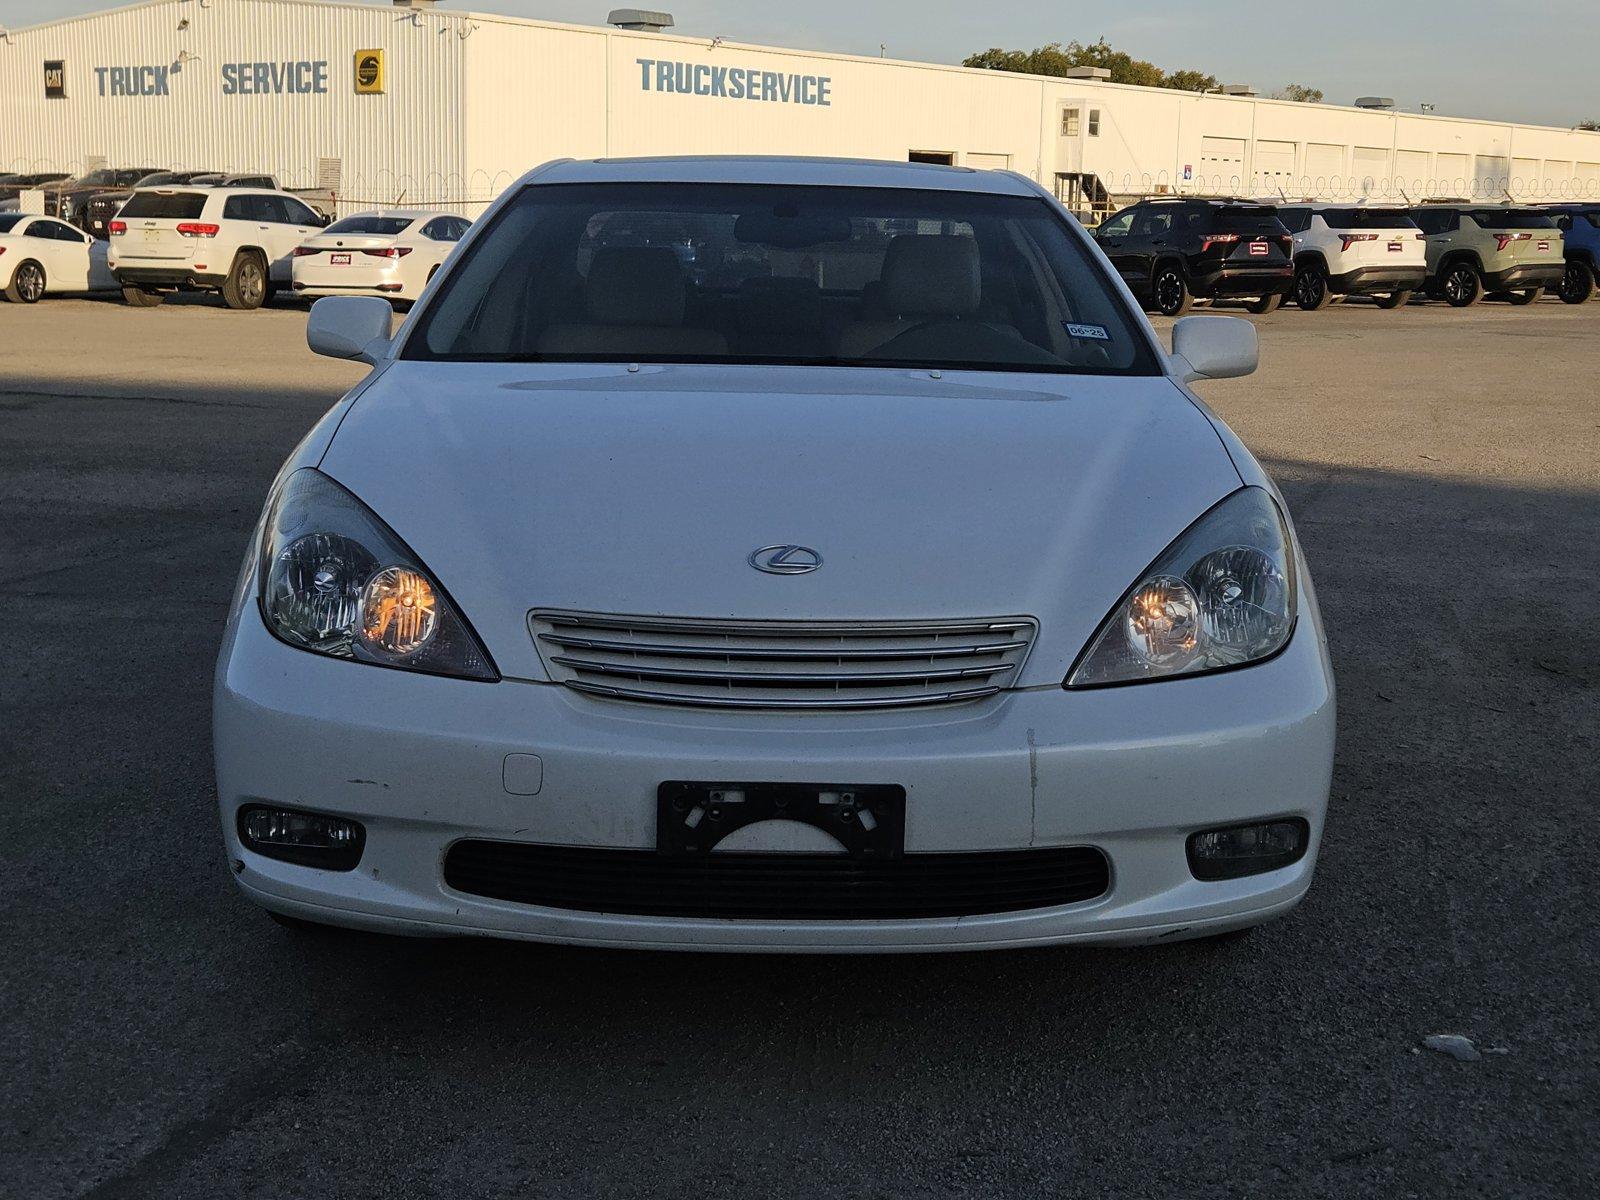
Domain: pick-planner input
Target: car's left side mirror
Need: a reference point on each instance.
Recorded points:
(1214, 348)
(355, 327)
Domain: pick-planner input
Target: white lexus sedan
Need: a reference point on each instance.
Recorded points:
(388, 254)
(781, 555)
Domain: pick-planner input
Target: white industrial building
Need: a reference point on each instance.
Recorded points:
(407, 103)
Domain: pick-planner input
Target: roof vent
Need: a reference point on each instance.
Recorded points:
(414, 3)
(1238, 89)
(640, 19)
(1088, 73)
(1380, 102)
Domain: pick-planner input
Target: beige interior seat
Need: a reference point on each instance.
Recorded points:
(635, 299)
(926, 277)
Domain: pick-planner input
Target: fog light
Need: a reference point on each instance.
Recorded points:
(1241, 850)
(309, 839)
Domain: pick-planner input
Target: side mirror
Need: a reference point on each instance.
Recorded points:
(1214, 348)
(351, 327)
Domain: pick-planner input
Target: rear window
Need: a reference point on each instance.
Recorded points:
(1511, 218)
(165, 206)
(1240, 219)
(738, 273)
(9, 221)
(376, 226)
(1368, 218)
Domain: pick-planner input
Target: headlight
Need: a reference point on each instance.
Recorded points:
(335, 580)
(1222, 595)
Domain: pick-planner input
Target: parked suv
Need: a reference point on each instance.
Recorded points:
(1354, 251)
(68, 199)
(102, 206)
(235, 241)
(1580, 232)
(1480, 249)
(1171, 252)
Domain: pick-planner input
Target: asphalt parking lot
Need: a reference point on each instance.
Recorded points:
(163, 1038)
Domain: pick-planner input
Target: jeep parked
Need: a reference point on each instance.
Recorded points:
(1580, 231)
(70, 197)
(1486, 249)
(1354, 251)
(1172, 252)
(236, 241)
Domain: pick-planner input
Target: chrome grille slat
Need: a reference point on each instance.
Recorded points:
(781, 664)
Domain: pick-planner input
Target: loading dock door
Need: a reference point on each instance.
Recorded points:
(1274, 168)
(1324, 166)
(987, 162)
(1221, 165)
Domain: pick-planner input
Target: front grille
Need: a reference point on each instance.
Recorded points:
(797, 887)
(782, 664)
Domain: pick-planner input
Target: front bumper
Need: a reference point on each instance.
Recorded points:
(420, 762)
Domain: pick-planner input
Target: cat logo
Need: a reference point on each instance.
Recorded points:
(369, 72)
(55, 80)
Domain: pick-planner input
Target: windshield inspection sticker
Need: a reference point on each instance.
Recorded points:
(1095, 333)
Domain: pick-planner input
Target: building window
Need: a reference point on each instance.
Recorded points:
(1069, 122)
(1094, 122)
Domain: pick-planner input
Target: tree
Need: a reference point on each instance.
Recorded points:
(1298, 92)
(1056, 59)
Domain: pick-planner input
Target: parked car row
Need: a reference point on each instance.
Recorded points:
(244, 242)
(1174, 252)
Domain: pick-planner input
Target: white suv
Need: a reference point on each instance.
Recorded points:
(1354, 251)
(237, 241)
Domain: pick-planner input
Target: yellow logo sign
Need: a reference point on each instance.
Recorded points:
(369, 72)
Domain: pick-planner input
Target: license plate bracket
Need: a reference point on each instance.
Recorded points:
(339, 260)
(868, 820)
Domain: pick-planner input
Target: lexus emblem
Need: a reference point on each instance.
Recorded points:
(786, 560)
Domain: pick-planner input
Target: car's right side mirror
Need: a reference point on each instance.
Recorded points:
(354, 327)
(1214, 348)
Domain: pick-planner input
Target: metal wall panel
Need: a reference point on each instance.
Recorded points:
(404, 144)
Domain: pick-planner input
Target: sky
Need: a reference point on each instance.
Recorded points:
(1529, 62)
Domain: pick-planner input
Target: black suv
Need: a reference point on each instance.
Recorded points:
(70, 197)
(1172, 252)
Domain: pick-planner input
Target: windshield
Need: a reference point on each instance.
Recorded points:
(1510, 218)
(759, 274)
(382, 226)
(1368, 218)
(94, 179)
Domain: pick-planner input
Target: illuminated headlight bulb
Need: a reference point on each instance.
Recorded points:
(399, 612)
(1163, 622)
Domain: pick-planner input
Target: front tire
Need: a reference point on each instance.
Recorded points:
(1394, 300)
(1265, 304)
(1171, 292)
(27, 283)
(245, 288)
(1462, 286)
(1525, 296)
(1578, 284)
(138, 297)
(1311, 288)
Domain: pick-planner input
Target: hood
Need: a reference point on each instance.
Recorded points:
(599, 490)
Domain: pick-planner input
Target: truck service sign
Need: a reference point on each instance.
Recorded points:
(304, 77)
(734, 83)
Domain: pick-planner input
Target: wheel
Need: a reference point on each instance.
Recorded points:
(246, 284)
(1311, 287)
(1525, 296)
(1394, 300)
(1171, 291)
(138, 297)
(1461, 286)
(1578, 284)
(1265, 304)
(27, 283)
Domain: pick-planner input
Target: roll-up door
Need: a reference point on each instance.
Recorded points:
(1274, 167)
(1221, 164)
(1324, 165)
(1452, 179)
(1491, 175)
(1412, 172)
(1369, 171)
